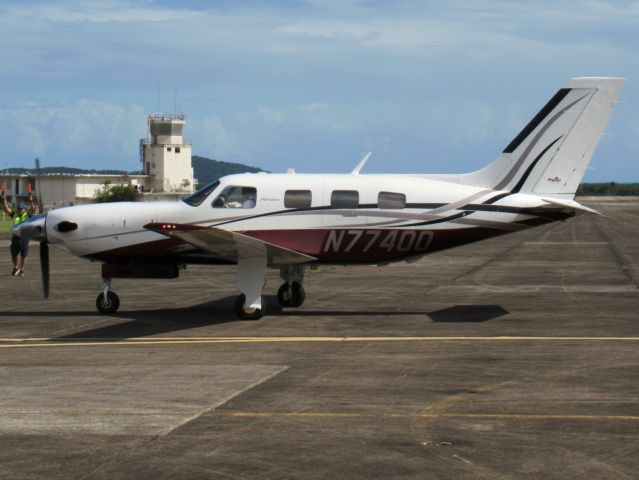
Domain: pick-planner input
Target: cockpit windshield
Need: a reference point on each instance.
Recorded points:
(198, 197)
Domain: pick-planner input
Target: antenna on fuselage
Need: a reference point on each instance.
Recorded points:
(361, 164)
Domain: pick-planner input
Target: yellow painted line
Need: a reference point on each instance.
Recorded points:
(24, 339)
(80, 342)
(486, 416)
(479, 416)
(84, 413)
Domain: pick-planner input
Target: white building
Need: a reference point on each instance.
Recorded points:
(165, 156)
(166, 161)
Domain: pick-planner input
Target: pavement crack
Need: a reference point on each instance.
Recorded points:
(236, 394)
(617, 254)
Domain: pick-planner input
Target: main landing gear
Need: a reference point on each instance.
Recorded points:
(250, 278)
(107, 302)
(248, 313)
(251, 272)
(291, 293)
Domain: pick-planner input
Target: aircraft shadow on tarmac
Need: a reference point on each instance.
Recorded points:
(468, 314)
(456, 314)
(142, 323)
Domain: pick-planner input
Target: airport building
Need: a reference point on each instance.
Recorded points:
(166, 166)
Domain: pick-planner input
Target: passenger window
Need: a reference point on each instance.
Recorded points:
(297, 199)
(345, 199)
(391, 200)
(236, 197)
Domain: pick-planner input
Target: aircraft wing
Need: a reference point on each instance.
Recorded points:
(229, 245)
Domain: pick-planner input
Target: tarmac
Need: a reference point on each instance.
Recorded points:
(516, 357)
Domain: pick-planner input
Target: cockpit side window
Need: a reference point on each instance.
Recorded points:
(236, 197)
(198, 197)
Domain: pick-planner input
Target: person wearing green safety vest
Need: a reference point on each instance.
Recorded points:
(19, 246)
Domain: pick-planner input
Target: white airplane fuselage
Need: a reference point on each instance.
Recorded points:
(436, 215)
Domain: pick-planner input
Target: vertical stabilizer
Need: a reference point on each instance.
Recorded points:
(550, 155)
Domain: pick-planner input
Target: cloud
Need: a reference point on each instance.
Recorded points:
(272, 116)
(330, 29)
(214, 140)
(316, 116)
(114, 11)
(77, 134)
(265, 82)
(317, 136)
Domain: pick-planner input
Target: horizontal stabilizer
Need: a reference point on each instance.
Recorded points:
(569, 204)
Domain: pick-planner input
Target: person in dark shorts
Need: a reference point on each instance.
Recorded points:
(19, 246)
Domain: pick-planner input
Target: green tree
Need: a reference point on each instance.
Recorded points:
(117, 193)
(609, 188)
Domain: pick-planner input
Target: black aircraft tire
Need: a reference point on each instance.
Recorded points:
(296, 300)
(110, 304)
(243, 314)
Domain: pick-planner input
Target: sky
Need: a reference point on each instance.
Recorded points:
(426, 86)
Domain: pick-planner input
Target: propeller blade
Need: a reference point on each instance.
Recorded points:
(44, 264)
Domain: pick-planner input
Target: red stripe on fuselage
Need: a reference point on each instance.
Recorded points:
(370, 245)
(341, 246)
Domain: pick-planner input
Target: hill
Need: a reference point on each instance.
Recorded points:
(205, 170)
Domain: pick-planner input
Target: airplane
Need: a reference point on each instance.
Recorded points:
(294, 221)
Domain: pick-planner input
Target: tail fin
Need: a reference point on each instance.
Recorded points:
(550, 155)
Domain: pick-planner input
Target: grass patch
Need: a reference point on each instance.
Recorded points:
(5, 224)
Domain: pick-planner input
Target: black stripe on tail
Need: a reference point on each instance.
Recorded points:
(543, 113)
(530, 168)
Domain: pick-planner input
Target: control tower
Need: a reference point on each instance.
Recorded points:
(165, 156)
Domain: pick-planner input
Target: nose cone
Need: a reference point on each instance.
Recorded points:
(34, 228)
(63, 229)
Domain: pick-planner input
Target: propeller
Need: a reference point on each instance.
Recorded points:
(34, 228)
(44, 264)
